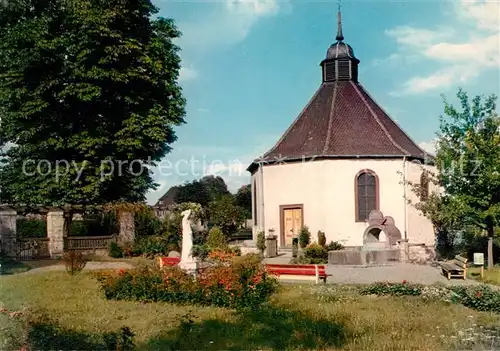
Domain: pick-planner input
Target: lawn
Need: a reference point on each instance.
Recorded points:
(298, 317)
(491, 276)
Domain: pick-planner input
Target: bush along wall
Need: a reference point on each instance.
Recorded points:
(31, 228)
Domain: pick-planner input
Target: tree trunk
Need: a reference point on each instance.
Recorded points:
(68, 219)
(491, 233)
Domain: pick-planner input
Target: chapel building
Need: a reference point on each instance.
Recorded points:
(341, 168)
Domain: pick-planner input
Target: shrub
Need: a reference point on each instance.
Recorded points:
(31, 228)
(200, 251)
(334, 245)
(115, 250)
(216, 238)
(151, 246)
(261, 242)
(42, 332)
(321, 238)
(304, 237)
(146, 223)
(241, 283)
(394, 289)
(95, 225)
(314, 253)
(481, 298)
(295, 247)
(74, 261)
(121, 340)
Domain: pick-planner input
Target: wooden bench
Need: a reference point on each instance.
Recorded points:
(455, 268)
(168, 261)
(313, 270)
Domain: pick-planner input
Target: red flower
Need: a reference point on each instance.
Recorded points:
(121, 272)
(404, 281)
(478, 294)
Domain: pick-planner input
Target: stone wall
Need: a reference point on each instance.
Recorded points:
(421, 253)
(8, 232)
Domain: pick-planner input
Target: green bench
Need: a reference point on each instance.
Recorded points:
(455, 268)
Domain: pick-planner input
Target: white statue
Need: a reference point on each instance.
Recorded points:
(187, 261)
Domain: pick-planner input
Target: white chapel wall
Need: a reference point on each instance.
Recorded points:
(326, 190)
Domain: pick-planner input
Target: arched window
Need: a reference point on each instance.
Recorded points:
(367, 198)
(254, 199)
(424, 187)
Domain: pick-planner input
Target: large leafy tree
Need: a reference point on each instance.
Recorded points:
(89, 98)
(216, 186)
(243, 198)
(194, 191)
(468, 163)
(224, 214)
(209, 188)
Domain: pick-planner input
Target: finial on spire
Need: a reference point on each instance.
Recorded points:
(339, 36)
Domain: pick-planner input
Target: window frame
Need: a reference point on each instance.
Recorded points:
(356, 194)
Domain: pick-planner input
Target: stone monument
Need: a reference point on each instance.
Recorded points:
(187, 262)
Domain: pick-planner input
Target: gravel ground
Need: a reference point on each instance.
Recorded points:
(413, 273)
(397, 272)
(89, 266)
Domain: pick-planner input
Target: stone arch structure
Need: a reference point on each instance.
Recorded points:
(381, 232)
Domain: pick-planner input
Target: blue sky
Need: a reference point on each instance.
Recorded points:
(249, 67)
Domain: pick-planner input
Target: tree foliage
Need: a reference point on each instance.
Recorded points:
(468, 168)
(215, 186)
(194, 191)
(89, 87)
(243, 198)
(226, 215)
(207, 189)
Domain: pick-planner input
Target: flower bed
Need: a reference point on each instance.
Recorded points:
(479, 297)
(240, 283)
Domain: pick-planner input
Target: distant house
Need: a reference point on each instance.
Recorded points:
(340, 168)
(166, 202)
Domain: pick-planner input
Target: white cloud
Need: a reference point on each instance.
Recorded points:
(187, 73)
(428, 146)
(229, 23)
(457, 56)
(441, 78)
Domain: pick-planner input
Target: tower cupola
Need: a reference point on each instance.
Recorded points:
(340, 63)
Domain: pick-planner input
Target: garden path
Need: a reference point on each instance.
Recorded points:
(92, 265)
(397, 272)
(413, 273)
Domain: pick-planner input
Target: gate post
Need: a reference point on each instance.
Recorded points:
(55, 233)
(127, 227)
(8, 232)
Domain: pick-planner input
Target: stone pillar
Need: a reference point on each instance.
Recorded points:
(8, 232)
(403, 246)
(127, 227)
(55, 233)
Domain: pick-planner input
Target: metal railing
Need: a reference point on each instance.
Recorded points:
(32, 248)
(88, 242)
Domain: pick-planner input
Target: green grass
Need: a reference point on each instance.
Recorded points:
(491, 276)
(294, 319)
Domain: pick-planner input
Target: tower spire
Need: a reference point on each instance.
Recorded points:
(339, 36)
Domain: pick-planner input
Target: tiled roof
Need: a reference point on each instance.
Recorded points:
(168, 199)
(342, 120)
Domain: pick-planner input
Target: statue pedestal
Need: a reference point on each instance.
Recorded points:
(189, 266)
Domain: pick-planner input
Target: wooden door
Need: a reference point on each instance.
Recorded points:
(292, 222)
